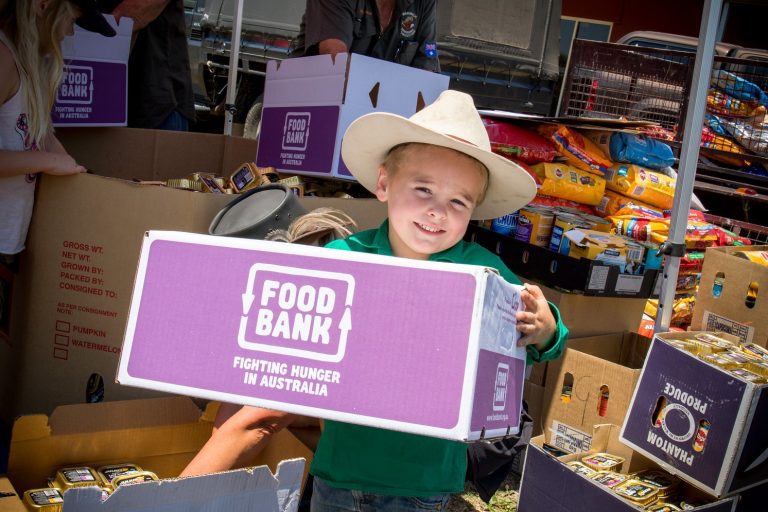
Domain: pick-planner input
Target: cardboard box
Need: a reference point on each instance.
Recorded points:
(586, 315)
(89, 227)
(533, 394)
(160, 435)
(302, 329)
(721, 302)
(549, 484)
(94, 88)
(309, 102)
(247, 489)
(10, 500)
(711, 430)
(563, 272)
(591, 384)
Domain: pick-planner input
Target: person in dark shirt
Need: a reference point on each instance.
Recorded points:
(401, 31)
(159, 78)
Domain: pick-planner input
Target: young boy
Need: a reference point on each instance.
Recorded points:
(436, 172)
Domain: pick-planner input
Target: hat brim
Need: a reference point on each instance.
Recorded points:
(370, 137)
(93, 21)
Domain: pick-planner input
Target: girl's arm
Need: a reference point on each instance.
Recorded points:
(13, 163)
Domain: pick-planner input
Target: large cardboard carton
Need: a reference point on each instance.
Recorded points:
(243, 490)
(586, 315)
(10, 500)
(161, 435)
(548, 483)
(94, 87)
(73, 287)
(309, 103)
(591, 384)
(723, 302)
(699, 421)
(303, 329)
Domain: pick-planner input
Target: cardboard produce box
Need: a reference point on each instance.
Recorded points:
(723, 302)
(548, 483)
(10, 500)
(309, 102)
(591, 384)
(94, 87)
(72, 290)
(327, 333)
(699, 421)
(160, 435)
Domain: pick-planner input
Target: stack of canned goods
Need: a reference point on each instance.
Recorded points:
(747, 361)
(650, 489)
(107, 478)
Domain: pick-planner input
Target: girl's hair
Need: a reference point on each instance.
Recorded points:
(40, 71)
(397, 154)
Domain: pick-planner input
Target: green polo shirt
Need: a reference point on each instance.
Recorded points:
(396, 463)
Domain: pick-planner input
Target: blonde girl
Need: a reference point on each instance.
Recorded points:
(31, 67)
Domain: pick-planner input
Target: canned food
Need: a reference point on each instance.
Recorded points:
(581, 469)
(133, 478)
(748, 376)
(759, 257)
(758, 367)
(46, 500)
(719, 360)
(663, 507)
(534, 226)
(602, 461)
(598, 223)
(664, 482)
(638, 492)
(715, 341)
(79, 476)
(755, 351)
(609, 479)
(109, 473)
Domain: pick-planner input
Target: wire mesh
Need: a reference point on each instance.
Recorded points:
(758, 235)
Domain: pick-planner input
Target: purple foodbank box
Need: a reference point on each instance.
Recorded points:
(310, 101)
(416, 346)
(94, 86)
(699, 421)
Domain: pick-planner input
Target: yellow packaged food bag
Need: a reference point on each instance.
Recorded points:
(612, 202)
(578, 150)
(567, 182)
(637, 182)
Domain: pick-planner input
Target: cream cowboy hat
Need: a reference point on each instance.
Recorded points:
(451, 121)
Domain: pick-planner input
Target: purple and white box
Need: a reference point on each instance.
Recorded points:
(699, 421)
(416, 346)
(310, 101)
(94, 87)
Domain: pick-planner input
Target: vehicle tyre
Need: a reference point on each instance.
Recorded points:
(253, 119)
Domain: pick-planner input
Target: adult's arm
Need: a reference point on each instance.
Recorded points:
(427, 33)
(329, 26)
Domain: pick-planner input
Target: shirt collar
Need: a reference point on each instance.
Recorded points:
(380, 243)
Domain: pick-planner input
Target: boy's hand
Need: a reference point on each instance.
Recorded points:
(536, 323)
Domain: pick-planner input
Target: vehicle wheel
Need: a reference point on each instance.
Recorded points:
(253, 119)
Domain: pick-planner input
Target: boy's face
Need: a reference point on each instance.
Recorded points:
(430, 199)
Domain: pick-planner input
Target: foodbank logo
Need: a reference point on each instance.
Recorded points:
(297, 312)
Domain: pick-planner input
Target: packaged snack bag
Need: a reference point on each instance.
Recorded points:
(738, 87)
(568, 182)
(637, 182)
(577, 149)
(612, 202)
(640, 150)
(518, 143)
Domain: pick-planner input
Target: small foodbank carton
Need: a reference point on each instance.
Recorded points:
(699, 421)
(94, 86)
(310, 101)
(422, 347)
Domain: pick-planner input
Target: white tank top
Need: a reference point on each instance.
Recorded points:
(17, 193)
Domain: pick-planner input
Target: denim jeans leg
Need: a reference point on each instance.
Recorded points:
(326, 498)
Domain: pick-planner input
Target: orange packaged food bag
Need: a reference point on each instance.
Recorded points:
(577, 149)
(568, 182)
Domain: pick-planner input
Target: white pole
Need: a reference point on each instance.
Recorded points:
(674, 247)
(234, 55)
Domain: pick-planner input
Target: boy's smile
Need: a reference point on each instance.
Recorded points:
(430, 198)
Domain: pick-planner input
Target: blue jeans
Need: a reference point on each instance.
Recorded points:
(175, 121)
(326, 498)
